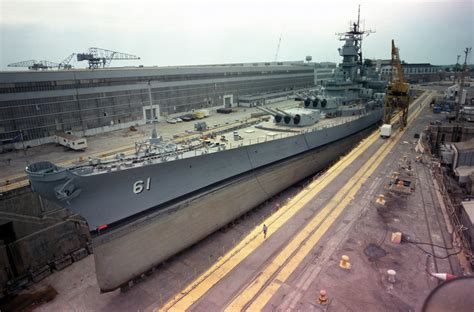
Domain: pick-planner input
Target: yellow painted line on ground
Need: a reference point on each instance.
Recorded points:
(224, 265)
(240, 302)
(229, 261)
(336, 205)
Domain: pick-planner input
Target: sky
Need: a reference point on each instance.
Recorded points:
(186, 32)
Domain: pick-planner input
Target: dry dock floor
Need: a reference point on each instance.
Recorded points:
(310, 227)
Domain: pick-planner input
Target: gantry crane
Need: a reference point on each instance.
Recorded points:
(98, 57)
(44, 65)
(396, 97)
(35, 65)
(66, 63)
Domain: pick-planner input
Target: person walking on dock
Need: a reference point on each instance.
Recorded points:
(264, 230)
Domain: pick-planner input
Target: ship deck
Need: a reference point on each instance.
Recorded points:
(238, 135)
(241, 131)
(106, 145)
(310, 227)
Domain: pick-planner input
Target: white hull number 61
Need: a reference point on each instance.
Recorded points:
(139, 186)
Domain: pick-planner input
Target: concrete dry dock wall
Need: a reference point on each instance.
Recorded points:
(35, 236)
(126, 253)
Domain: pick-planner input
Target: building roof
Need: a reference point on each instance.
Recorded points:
(464, 171)
(464, 145)
(385, 62)
(468, 207)
(405, 65)
(128, 72)
(417, 65)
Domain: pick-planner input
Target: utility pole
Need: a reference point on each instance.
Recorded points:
(23, 143)
(154, 117)
(461, 99)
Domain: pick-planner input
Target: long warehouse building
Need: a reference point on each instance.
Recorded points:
(36, 105)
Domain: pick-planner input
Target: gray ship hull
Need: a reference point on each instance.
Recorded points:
(111, 197)
(144, 243)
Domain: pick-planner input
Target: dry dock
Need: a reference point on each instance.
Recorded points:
(310, 227)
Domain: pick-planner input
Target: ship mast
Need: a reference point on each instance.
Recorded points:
(352, 49)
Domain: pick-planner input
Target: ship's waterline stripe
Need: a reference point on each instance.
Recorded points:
(306, 239)
(224, 265)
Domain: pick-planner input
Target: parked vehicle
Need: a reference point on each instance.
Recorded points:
(71, 141)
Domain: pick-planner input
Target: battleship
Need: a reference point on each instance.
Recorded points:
(144, 208)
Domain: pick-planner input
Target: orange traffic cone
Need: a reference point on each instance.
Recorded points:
(443, 276)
